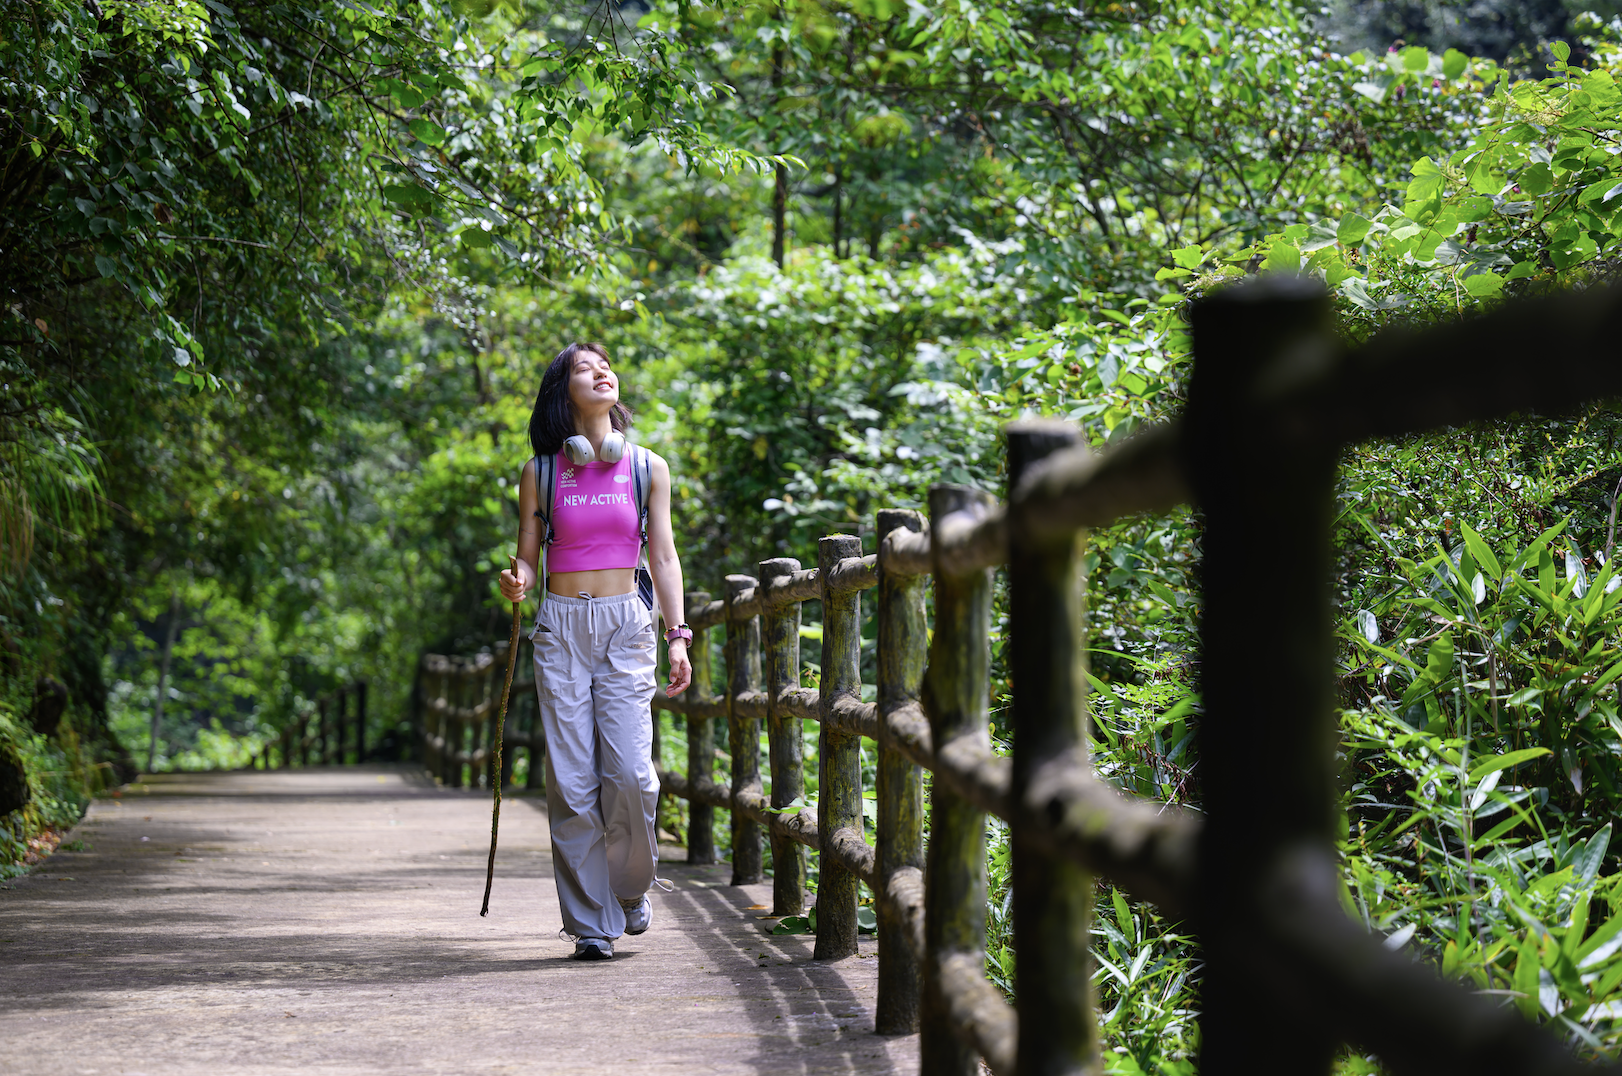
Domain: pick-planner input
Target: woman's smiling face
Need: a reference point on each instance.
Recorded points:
(593, 386)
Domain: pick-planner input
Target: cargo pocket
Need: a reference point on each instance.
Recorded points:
(554, 679)
(632, 651)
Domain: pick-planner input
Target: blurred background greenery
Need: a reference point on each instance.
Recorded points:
(280, 282)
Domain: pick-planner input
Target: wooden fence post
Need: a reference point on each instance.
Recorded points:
(428, 684)
(839, 789)
(955, 696)
(456, 730)
(1266, 486)
(903, 650)
(700, 741)
(743, 733)
(1053, 897)
(322, 742)
(784, 737)
(360, 721)
(340, 726)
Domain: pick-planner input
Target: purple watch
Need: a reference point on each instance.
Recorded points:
(680, 631)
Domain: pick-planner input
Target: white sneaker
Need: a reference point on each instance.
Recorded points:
(638, 914)
(593, 949)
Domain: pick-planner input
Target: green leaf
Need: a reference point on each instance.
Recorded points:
(1536, 179)
(1526, 978)
(1504, 762)
(1481, 553)
(1353, 229)
(106, 266)
(1415, 58)
(1561, 50)
(1170, 273)
(1483, 285)
(1608, 930)
(407, 95)
(408, 194)
(1439, 659)
(1123, 914)
(1188, 257)
(1282, 257)
(1588, 857)
(428, 131)
(1453, 63)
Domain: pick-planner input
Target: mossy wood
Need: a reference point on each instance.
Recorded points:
(781, 635)
(743, 730)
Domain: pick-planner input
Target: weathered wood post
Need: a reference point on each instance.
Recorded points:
(955, 697)
(346, 723)
(455, 728)
(360, 721)
(839, 792)
(784, 737)
(903, 650)
(323, 742)
(743, 733)
(1265, 481)
(700, 741)
(340, 722)
(431, 685)
(1053, 897)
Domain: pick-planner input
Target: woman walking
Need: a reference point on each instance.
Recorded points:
(588, 503)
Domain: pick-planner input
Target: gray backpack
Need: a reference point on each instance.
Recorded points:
(546, 491)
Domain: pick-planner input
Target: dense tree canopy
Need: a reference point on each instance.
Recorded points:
(279, 282)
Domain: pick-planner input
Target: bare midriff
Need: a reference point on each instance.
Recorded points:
(598, 583)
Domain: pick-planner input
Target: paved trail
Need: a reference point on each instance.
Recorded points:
(326, 921)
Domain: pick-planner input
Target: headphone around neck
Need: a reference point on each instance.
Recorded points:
(578, 449)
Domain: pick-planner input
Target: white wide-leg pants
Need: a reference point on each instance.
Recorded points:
(594, 675)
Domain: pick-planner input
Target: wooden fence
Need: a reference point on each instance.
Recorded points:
(459, 697)
(1287, 977)
(332, 732)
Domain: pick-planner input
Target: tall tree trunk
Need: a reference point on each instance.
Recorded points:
(839, 212)
(780, 191)
(163, 679)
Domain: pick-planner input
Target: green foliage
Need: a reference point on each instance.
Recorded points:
(1529, 199)
(284, 280)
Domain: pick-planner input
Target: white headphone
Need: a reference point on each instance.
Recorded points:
(578, 449)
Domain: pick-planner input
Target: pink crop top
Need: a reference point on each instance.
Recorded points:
(595, 522)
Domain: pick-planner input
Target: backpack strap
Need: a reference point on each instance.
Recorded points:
(546, 491)
(642, 483)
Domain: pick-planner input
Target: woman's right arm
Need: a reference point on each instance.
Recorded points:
(516, 583)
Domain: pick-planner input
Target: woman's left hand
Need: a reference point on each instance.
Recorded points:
(681, 670)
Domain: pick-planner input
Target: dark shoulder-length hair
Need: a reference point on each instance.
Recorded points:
(552, 421)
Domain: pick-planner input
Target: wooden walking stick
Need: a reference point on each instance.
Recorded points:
(495, 768)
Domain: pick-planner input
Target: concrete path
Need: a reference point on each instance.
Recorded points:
(326, 921)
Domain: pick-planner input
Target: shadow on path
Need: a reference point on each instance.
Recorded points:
(327, 921)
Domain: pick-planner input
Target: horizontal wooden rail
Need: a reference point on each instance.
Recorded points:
(1272, 400)
(326, 728)
(458, 697)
